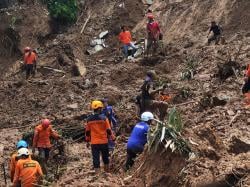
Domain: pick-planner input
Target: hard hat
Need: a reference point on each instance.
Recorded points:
(23, 151)
(45, 123)
(96, 104)
(21, 144)
(27, 49)
(146, 116)
(150, 16)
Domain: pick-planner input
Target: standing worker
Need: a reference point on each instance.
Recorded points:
(138, 138)
(217, 31)
(126, 39)
(109, 113)
(14, 158)
(98, 131)
(41, 140)
(246, 87)
(28, 171)
(30, 59)
(153, 33)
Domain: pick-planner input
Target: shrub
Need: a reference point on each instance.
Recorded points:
(63, 10)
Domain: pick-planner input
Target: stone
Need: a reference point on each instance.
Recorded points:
(73, 106)
(231, 113)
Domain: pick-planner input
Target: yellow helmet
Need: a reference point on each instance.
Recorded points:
(96, 104)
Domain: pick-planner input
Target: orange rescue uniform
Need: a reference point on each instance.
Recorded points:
(28, 172)
(12, 165)
(248, 71)
(125, 37)
(98, 126)
(30, 58)
(42, 136)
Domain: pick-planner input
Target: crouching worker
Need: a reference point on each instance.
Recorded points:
(41, 140)
(27, 172)
(98, 131)
(138, 138)
(14, 158)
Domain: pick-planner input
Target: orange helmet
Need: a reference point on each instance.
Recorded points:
(26, 49)
(96, 104)
(46, 123)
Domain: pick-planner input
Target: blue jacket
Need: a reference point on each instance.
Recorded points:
(109, 113)
(138, 137)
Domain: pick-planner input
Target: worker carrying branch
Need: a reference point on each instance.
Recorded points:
(217, 32)
(41, 140)
(28, 172)
(138, 138)
(98, 132)
(30, 60)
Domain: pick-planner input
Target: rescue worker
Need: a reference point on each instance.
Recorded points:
(41, 140)
(14, 158)
(98, 131)
(138, 138)
(109, 113)
(30, 59)
(146, 100)
(246, 87)
(153, 33)
(126, 40)
(217, 31)
(28, 172)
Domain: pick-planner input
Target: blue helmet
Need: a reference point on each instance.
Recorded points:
(21, 144)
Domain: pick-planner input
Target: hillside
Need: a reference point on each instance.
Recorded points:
(217, 133)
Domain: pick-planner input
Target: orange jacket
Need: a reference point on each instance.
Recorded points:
(98, 129)
(12, 165)
(42, 136)
(27, 171)
(125, 37)
(30, 58)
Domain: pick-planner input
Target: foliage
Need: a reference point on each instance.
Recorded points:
(190, 69)
(168, 134)
(63, 10)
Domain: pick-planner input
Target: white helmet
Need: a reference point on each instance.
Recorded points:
(23, 151)
(146, 116)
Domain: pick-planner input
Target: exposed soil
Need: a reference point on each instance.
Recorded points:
(216, 123)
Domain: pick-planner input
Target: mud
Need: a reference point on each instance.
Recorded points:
(219, 126)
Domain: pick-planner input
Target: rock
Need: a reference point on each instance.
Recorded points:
(73, 106)
(231, 113)
(80, 68)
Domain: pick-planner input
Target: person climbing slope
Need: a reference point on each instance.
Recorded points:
(41, 140)
(30, 59)
(246, 86)
(138, 138)
(98, 131)
(217, 31)
(14, 158)
(126, 40)
(28, 172)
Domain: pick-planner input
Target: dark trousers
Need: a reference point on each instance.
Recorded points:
(29, 70)
(98, 149)
(246, 87)
(215, 38)
(44, 153)
(131, 155)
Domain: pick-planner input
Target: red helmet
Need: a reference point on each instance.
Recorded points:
(45, 123)
(150, 16)
(26, 49)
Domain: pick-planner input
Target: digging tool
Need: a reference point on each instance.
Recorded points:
(4, 174)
